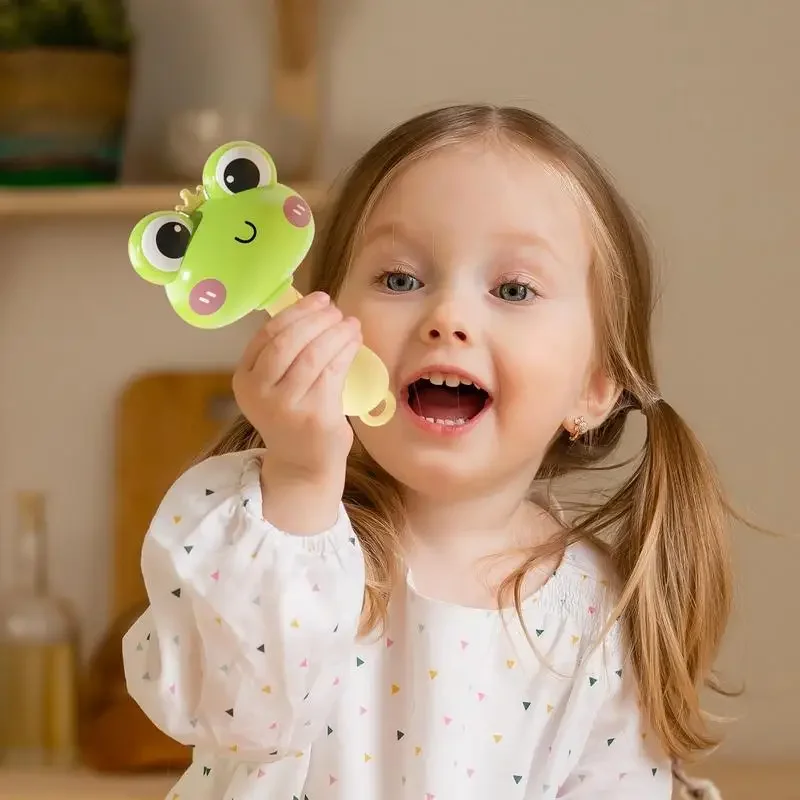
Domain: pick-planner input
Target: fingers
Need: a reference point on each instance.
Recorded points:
(302, 354)
(281, 351)
(280, 323)
(320, 362)
(328, 388)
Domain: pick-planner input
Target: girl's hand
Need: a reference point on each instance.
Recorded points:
(289, 385)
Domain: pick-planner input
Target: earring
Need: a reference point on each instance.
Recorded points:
(580, 427)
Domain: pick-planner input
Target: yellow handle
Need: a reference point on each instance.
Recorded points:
(375, 419)
(366, 387)
(288, 297)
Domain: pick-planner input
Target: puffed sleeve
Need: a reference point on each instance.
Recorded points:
(620, 758)
(250, 630)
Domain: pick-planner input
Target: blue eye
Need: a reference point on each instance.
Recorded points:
(400, 282)
(514, 292)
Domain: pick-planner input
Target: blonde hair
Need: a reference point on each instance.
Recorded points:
(664, 528)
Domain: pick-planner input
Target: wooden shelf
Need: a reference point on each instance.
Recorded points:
(294, 45)
(113, 200)
(82, 785)
(736, 781)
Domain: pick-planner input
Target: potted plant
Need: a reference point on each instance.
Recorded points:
(64, 85)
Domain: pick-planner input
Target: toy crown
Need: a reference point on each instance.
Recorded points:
(192, 200)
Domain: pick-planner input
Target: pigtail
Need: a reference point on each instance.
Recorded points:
(238, 436)
(375, 507)
(672, 553)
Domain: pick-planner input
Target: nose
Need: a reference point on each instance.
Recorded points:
(434, 333)
(443, 326)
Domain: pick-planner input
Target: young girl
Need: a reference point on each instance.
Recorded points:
(408, 615)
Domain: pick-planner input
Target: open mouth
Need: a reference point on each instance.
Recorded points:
(447, 399)
(253, 234)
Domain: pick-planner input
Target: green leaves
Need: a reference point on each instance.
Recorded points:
(87, 24)
(108, 21)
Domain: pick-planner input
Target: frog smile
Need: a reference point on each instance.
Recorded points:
(252, 236)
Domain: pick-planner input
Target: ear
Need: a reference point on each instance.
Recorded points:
(597, 401)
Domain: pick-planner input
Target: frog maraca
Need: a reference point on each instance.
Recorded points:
(233, 247)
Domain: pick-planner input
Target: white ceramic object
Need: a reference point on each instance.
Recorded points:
(193, 134)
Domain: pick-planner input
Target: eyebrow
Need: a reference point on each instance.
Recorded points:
(528, 239)
(400, 233)
(396, 231)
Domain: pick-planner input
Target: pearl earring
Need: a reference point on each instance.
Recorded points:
(579, 427)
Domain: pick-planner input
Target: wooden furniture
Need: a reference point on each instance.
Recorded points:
(164, 421)
(110, 201)
(295, 70)
(735, 781)
(82, 785)
(744, 781)
(295, 92)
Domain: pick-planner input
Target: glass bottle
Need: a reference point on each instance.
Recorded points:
(38, 655)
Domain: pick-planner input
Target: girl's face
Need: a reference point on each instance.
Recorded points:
(474, 268)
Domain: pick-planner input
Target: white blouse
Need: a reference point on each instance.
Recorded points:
(249, 653)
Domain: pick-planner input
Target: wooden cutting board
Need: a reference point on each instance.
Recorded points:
(164, 421)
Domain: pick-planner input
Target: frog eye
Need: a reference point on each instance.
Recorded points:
(165, 241)
(238, 167)
(158, 244)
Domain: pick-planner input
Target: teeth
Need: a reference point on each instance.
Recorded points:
(447, 422)
(438, 378)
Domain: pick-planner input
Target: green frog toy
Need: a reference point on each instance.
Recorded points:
(232, 247)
